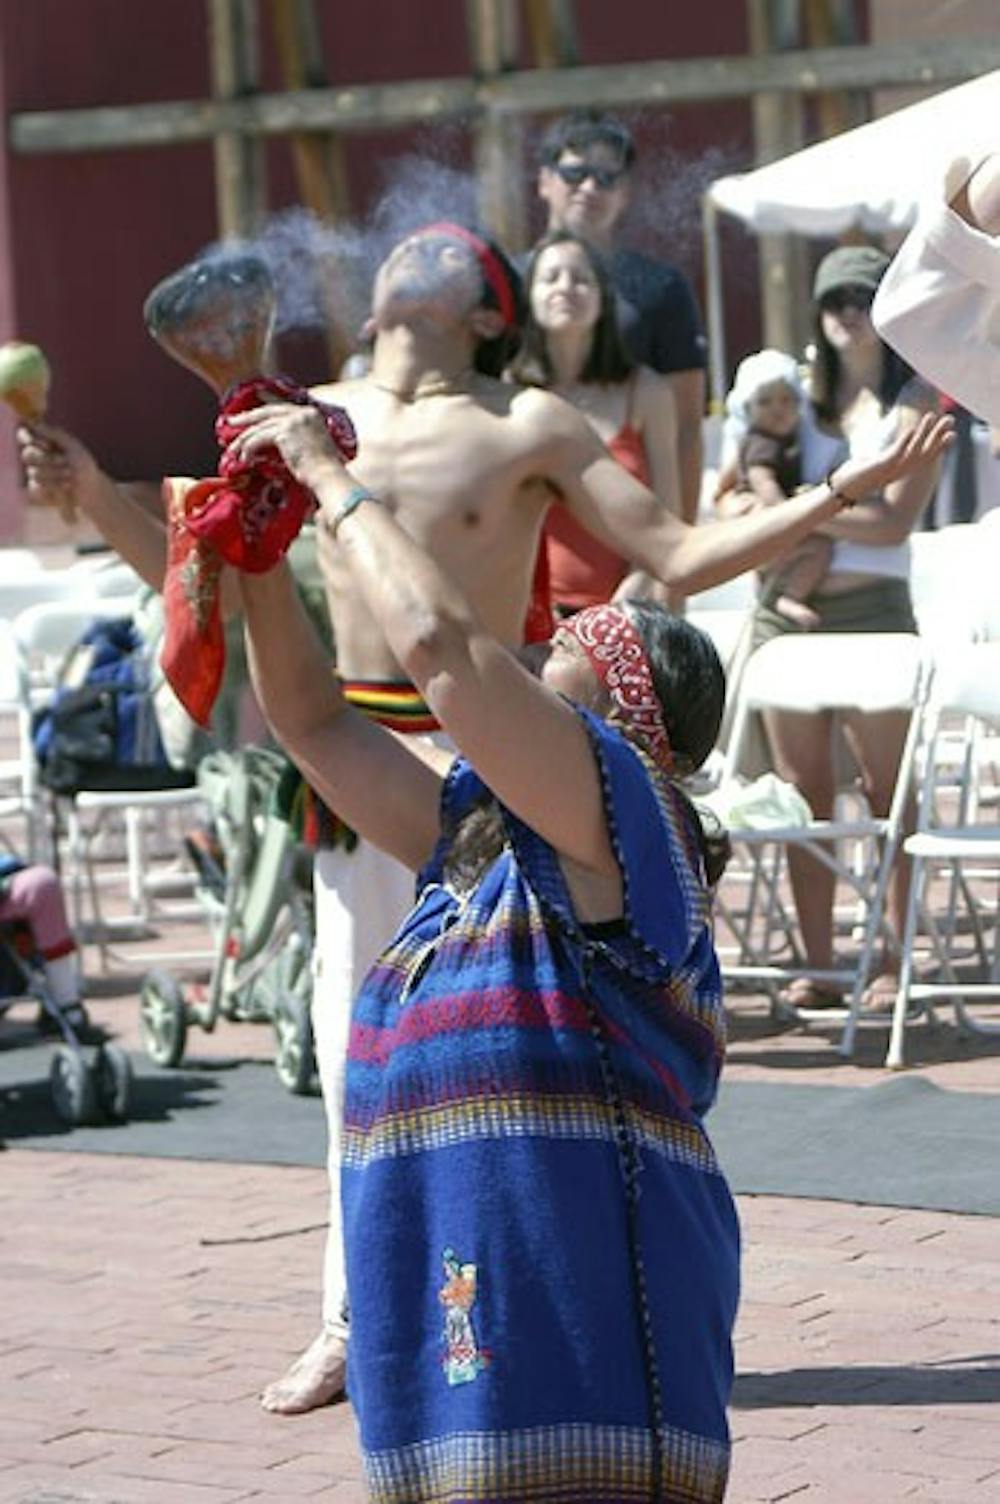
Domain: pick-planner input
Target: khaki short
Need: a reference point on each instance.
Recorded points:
(883, 606)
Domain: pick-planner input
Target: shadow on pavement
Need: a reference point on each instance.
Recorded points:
(972, 1381)
(26, 1110)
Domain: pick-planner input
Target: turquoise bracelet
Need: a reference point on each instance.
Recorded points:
(350, 504)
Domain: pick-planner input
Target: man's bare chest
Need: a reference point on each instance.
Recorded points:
(447, 467)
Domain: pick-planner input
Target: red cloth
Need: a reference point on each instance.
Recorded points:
(246, 516)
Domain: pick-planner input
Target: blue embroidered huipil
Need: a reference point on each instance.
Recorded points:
(542, 1255)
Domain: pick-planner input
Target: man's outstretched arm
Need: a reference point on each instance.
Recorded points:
(129, 515)
(629, 518)
(58, 465)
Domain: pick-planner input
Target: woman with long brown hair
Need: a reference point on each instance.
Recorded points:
(571, 345)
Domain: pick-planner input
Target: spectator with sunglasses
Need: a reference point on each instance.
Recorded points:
(585, 181)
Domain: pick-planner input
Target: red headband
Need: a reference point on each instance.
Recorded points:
(617, 656)
(490, 264)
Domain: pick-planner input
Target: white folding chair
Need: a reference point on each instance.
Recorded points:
(959, 836)
(36, 642)
(106, 574)
(725, 627)
(982, 583)
(938, 561)
(18, 564)
(18, 779)
(45, 632)
(809, 674)
(32, 587)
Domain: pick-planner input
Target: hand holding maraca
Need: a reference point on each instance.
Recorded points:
(24, 385)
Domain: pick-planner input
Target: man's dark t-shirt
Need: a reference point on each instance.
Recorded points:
(657, 313)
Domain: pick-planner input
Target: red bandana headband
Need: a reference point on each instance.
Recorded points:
(489, 262)
(617, 656)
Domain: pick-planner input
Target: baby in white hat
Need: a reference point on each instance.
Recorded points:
(767, 400)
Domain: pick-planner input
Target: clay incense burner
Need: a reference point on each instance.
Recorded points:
(215, 316)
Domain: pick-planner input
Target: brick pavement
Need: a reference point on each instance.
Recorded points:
(146, 1301)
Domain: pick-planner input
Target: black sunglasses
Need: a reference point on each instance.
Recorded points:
(848, 297)
(575, 173)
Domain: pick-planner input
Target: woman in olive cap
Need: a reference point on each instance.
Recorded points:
(865, 394)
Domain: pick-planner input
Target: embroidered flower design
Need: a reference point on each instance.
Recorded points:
(463, 1360)
(199, 581)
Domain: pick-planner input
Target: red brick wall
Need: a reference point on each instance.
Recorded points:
(84, 236)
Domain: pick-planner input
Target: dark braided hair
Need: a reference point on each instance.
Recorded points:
(690, 685)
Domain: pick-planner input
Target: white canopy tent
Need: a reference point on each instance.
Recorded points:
(871, 179)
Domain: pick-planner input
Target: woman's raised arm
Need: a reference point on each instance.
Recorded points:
(378, 784)
(526, 742)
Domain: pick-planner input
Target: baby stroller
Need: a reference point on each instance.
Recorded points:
(256, 889)
(89, 1083)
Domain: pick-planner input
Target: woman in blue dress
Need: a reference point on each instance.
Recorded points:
(542, 1255)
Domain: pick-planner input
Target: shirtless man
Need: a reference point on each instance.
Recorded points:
(469, 465)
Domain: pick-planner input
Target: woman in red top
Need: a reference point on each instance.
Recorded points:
(571, 345)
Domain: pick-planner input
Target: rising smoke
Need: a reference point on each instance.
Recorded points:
(323, 271)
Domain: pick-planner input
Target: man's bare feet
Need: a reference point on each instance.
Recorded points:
(797, 611)
(315, 1378)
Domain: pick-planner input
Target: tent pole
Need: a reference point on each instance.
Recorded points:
(715, 311)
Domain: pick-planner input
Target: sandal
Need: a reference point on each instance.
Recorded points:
(805, 994)
(879, 997)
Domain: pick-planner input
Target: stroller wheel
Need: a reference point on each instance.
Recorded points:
(111, 1074)
(163, 1018)
(293, 1058)
(73, 1095)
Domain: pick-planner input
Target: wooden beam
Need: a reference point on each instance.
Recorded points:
(552, 29)
(498, 143)
(778, 129)
(318, 156)
(944, 60)
(829, 23)
(240, 187)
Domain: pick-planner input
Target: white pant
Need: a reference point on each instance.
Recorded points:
(361, 898)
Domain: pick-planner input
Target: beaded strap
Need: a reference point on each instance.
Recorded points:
(350, 504)
(630, 1164)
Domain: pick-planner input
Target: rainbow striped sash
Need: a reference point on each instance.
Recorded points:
(395, 705)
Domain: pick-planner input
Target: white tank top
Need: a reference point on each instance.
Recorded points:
(889, 560)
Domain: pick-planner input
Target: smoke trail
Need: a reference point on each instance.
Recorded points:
(323, 271)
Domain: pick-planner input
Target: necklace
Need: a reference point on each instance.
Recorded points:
(445, 386)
